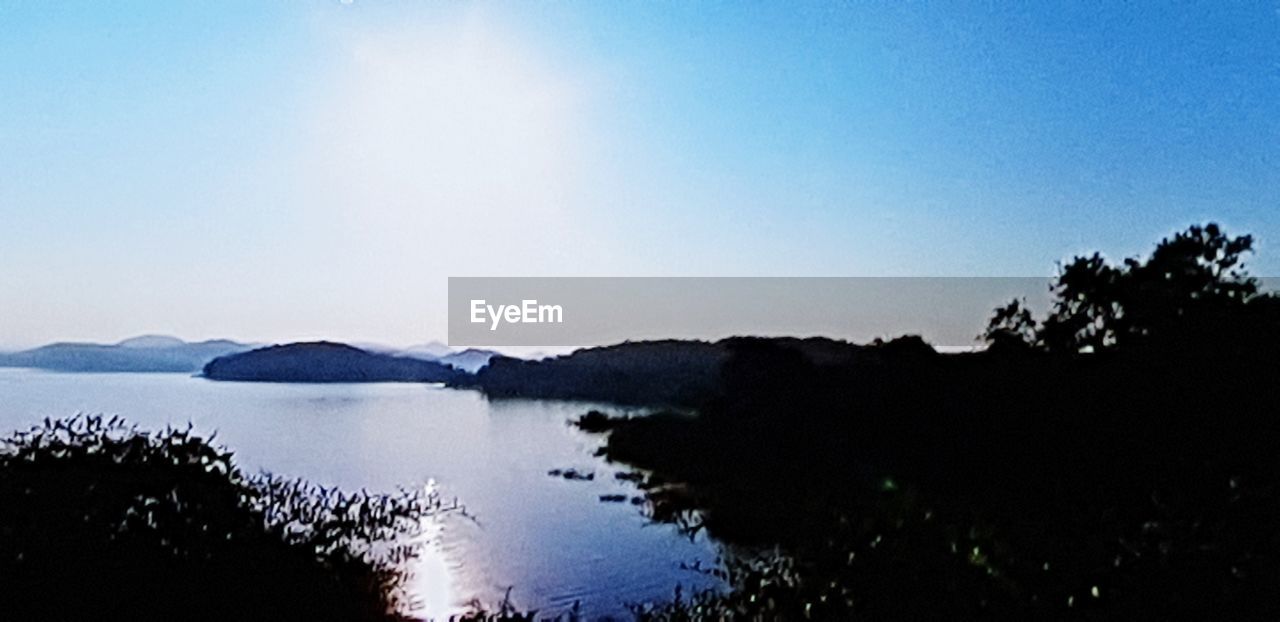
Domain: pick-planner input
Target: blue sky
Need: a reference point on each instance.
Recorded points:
(273, 171)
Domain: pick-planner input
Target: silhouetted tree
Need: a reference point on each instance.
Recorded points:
(1011, 328)
(1195, 276)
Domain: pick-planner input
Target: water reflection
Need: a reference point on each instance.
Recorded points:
(431, 582)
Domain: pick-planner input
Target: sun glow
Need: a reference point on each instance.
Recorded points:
(442, 148)
(455, 130)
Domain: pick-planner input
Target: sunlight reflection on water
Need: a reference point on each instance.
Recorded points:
(431, 582)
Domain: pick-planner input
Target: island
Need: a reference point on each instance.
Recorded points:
(325, 361)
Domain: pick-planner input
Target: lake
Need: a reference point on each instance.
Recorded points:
(550, 540)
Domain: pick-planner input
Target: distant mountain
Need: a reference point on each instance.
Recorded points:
(149, 353)
(152, 341)
(324, 361)
(469, 360)
(375, 347)
(428, 351)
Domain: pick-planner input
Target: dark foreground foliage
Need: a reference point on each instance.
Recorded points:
(1031, 481)
(101, 521)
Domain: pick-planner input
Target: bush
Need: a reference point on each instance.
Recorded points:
(102, 521)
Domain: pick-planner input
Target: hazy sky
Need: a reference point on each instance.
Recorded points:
(286, 170)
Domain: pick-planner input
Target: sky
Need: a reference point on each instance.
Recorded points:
(275, 171)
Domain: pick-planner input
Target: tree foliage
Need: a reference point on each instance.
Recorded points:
(1193, 278)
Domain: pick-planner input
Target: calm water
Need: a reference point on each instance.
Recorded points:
(551, 540)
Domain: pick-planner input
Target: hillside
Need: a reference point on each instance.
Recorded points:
(324, 361)
(667, 372)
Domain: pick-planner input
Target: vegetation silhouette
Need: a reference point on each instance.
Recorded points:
(1192, 286)
(102, 521)
(1117, 459)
